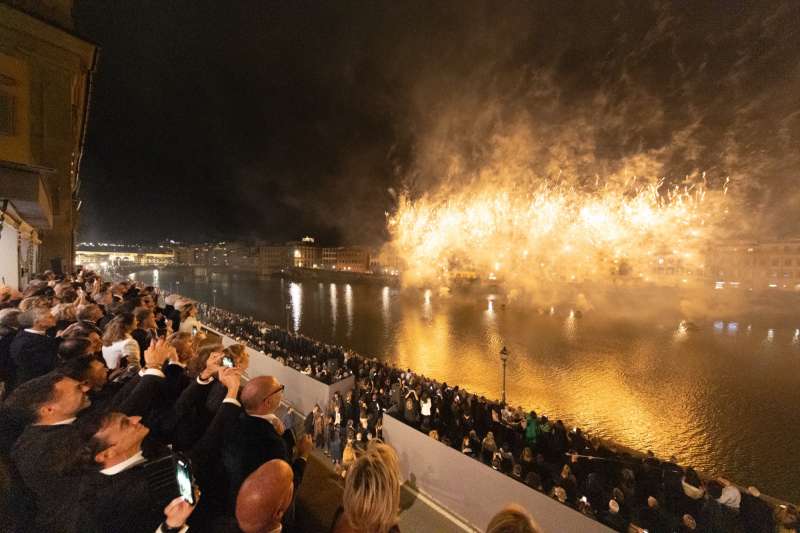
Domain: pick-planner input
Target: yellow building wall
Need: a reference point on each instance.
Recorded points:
(15, 81)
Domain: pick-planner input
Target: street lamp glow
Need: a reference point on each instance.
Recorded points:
(504, 358)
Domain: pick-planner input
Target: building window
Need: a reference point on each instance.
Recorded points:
(6, 114)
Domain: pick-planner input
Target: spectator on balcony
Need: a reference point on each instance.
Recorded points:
(145, 331)
(265, 497)
(43, 454)
(120, 349)
(188, 319)
(90, 315)
(259, 436)
(371, 500)
(9, 326)
(32, 353)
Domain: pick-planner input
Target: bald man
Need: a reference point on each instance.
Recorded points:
(264, 497)
(255, 440)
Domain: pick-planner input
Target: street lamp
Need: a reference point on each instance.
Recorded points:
(214, 296)
(288, 316)
(504, 359)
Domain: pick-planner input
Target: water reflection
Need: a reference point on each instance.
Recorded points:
(569, 326)
(334, 307)
(386, 308)
(296, 295)
(348, 307)
(426, 306)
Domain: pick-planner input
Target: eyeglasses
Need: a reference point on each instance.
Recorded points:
(276, 391)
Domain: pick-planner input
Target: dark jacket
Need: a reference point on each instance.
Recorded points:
(5, 355)
(252, 442)
(125, 503)
(44, 459)
(32, 355)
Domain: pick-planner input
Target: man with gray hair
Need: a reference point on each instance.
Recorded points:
(32, 353)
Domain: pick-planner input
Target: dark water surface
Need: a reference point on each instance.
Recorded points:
(724, 398)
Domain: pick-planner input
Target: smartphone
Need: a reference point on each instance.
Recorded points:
(194, 331)
(227, 361)
(183, 474)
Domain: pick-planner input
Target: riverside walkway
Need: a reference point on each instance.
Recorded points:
(321, 491)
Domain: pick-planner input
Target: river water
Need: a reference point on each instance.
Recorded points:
(723, 399)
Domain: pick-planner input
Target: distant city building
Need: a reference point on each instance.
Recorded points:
(99, 257)
(273, 258)
(758, 265)
(346, 258)
(45, 79)
(305, 254)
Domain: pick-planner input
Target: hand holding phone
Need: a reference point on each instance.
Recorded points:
(183, 474)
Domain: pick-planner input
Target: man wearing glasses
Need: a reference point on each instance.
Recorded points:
(259, 436)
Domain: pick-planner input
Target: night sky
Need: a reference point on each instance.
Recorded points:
(273, 120)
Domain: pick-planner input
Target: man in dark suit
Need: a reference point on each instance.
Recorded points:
(43, 456)
(119, 498)
(32, 352)
(259, 436)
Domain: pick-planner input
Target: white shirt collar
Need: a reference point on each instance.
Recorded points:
(64, 422)
(124, 465)
(35, 332)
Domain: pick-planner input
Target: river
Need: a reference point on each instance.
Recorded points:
(723, 399)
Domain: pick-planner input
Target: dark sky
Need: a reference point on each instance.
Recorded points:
(272, 120)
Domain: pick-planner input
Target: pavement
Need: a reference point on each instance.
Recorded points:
(321, 491)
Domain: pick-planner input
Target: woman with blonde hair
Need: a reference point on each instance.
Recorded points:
(371, 500)
(189, 322)
(119, 347)
(239, 354)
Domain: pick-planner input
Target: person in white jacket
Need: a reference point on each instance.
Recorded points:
(119, 347)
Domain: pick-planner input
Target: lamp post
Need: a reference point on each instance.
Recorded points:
(504, 359)
(214, 296)
(288, 316)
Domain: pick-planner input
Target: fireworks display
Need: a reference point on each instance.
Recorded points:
(529, 232)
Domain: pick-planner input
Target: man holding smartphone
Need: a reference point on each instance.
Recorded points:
(117, 498)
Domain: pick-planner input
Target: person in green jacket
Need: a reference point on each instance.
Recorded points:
(531, 430)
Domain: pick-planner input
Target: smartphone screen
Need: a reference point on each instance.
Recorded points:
(227, 361)
(194, 331)
(184, 476)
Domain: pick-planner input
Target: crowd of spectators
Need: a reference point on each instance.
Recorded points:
(323, 362)
(118, 415)
(108, 396)
(617, 487)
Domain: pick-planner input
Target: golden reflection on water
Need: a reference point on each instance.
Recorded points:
(608, 390)
(348, 308)
(296, 296)
(334, 307)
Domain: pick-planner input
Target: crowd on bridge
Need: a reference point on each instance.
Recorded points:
(119, 415)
